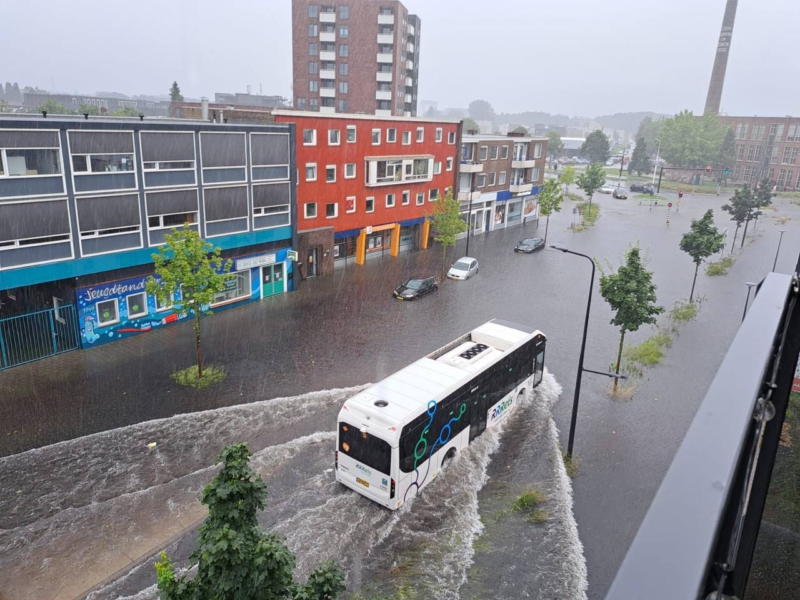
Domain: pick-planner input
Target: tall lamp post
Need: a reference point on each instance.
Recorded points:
(775, 264)
(655, 166)
(581, 369)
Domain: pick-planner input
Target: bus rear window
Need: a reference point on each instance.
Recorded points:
(365, 448)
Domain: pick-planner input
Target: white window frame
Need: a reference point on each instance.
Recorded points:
(354, 130)
(393, 203)
(537, 150)
(116, 308)
(397, 163)
(160, 308)
(420, 135)
(504, 152)
(316, 172)
(481, 185)
(420, 195)
(439, 135)
(430, 194)
(484, 153)
(161, 220)
(450, 163)
(335, 210)
(492, 179)
(138, 315)
(502, 178)
(451, 138)
(355, 204)
(406, 136)
(355, 171)
(334, 173)
(313, 142)
(338, 134)
(437, 167)
(305, 210)
(254, 166)
(376, 131)
(406, 198)
(494, 153)
(366, 205)
(249, 293)
(391, 135)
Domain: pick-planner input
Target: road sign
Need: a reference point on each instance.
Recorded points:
(292, 255)
(669, 205)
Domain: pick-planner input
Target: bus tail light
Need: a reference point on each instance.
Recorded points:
(336, 460)
(391, 494)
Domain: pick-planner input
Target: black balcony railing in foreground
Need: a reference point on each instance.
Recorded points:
(698, 537)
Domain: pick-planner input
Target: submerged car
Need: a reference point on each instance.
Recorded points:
(620, 193)
(415, 287)
(529, 245)
(463, 268)
(606, 189)
(637, 187)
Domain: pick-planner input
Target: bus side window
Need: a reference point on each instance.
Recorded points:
(538, 371)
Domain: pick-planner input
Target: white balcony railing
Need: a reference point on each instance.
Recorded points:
(385, 58)
(411, 30)
(471, 167)
(385, 19)
(327, 74)
(327, 92)
(386, 38)
(327, 56)
(521, 188)
(408, 98)
(327, 109)
(383, 95)
(383, 113)
(528, 163)
(327, 17)
(409, 82)
(410, 65)
(410, 47)
(327, 36)
(385, 77)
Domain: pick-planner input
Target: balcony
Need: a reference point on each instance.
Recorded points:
(325, 36)
(327, 74)
(520, 188)
(386, 38)
(468, 196)
(383, 95)
(410, 47)
(385, 19)
(408, 98)
(410, 65)
(327, 92)
(327, 17)
(409, 82)
(327, 56)
(385, 58)
(411, 30)
(327, 109)
(385, 77)
(471, 167)
(526, 163)
(383, 113)
(407, 113)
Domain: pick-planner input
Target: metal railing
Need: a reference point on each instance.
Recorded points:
(698, 537)
(33, 336)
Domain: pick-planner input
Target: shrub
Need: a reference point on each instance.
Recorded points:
(683, 312)
(188, 377)
(529, 499)
(538, 516)
(717, 269)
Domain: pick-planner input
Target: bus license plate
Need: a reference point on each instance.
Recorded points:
(362, 482)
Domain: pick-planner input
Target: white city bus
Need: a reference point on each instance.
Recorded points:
(394, 436)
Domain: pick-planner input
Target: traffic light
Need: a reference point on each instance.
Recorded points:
(680, 194)
(727, 171)
(708, 169)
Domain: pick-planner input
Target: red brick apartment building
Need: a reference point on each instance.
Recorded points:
(366, 184)
(766, 147)
(355, 56)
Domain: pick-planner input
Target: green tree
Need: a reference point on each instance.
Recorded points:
(550, 199)
(591, 180)
(520, 129)
(471, 125)
(596, 147)
(640, 160)
(125, 111)
(481, 110)
(447, 224)
(727, 151)
(53, 108)
(740, 208)
(189, 266)
(762, 197)
(235, 558)
(567, 177)
(88, 109)
(175, 93)
(701, 241)
(692, 142)
(554, 145)
(631, 294)
(650, 130)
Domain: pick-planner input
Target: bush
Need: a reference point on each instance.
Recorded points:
(683, 312)
(649, 353)
(721, 267)
(589, 212)
(575, 197)
(529, 499)
(188, 377)
(538, 516)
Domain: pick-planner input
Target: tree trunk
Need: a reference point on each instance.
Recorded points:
(197, 343)
(735, 234)
(619, 359)
(546, 227)
(444, 258)
(694, 282)
(744, 235)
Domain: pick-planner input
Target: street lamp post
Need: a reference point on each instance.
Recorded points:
(750, 286)
(655, 166)
(775, 264)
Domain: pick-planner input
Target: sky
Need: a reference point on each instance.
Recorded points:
(574, 57)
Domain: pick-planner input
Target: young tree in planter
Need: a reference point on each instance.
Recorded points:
(567, 177)
(762, 197)
(194, 268)
(740, 207)
(631, 294)
(236, 559)
(591, 180)
(447, 224)
(550, 199)
(700, 242)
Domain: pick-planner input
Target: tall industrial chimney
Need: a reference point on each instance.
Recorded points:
(714, 98)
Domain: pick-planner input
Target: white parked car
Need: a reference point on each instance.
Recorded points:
(607, 189)
(463, 268)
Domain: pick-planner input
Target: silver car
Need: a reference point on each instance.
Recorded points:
(463, 268)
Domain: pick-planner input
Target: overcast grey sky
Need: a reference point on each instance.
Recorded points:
(576, 57)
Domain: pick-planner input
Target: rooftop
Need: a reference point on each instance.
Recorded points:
(501, 138)
(352, 116)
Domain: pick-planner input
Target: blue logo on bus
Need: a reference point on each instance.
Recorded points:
(384, 482)
(364, 469)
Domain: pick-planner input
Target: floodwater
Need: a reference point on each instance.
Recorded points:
(126, 501)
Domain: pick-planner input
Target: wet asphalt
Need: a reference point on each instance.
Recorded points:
(346, 330)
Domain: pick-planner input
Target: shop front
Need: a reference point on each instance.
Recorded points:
(115, 310)
(379, 241)
(515, 210)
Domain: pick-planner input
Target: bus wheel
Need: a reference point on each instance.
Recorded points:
(450, 454)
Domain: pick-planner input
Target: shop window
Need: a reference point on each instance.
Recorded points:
(236, 288)
(107, 312)
(137, 305)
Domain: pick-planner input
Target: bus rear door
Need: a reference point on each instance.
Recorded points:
(364, 463)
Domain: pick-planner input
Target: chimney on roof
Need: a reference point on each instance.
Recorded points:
(204, 108)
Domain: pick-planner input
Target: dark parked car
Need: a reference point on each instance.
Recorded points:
(620, 194)
(529, 245)
(637, 187)
(416, 287)
(649, 189)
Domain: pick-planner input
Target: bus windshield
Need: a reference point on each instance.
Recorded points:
(365, 448)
